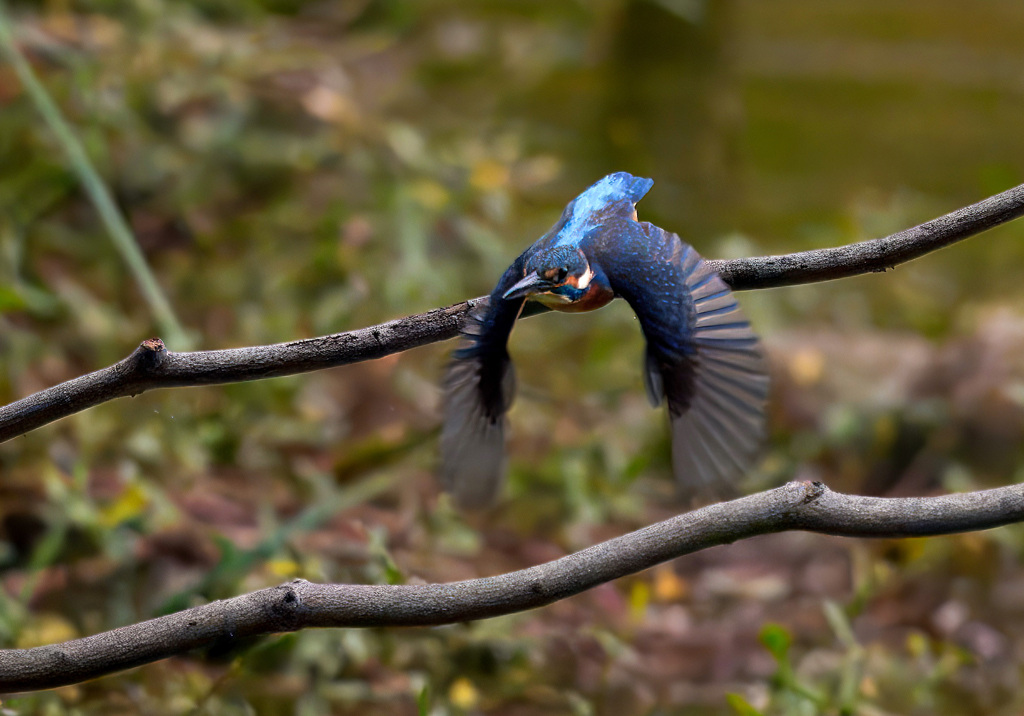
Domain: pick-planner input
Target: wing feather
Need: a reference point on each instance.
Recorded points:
(702, 357)
(479, 385)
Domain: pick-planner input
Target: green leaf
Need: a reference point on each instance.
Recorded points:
(741, 706)
(423, 701)
(777, 639)
(840, 623)
(10, 300)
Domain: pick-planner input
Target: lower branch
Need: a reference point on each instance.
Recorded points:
(300, 604)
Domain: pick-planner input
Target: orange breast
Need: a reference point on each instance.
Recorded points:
(595, 297)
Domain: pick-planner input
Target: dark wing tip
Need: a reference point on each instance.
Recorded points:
(473, 434)
(702, 359)
(478, 387)
(720, 431)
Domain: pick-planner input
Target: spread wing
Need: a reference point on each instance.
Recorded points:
(702, 357)
(478, 388)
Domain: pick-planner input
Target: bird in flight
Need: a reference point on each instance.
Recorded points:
(702, 358)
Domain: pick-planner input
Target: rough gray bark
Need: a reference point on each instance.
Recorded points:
(152, 366)
(875, 255)
(300, 604)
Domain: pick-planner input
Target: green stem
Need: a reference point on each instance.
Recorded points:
(98, 193)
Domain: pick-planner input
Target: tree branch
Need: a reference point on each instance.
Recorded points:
(875, 255)
(808, 506)
(151, 366)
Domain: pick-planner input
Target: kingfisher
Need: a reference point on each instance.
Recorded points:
(702, 358)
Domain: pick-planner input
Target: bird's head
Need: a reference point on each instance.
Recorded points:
(560, 274)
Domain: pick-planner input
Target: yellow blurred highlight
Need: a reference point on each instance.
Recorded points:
(488, 175)
(917, 645)
(130, 504)
(886, 430)
(463, 694)
(639, 598)
(868, 687)
(881, 572)
(910, 549)
(285, 568)
(44, 630)
(429, 194)
(807, 366)
(668, 586)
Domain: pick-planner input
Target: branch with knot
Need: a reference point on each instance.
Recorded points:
(297, 605)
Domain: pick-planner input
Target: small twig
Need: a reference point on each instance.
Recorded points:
(300, 604)
(152, 366)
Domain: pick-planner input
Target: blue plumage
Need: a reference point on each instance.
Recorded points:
(702, 359)
(615, 193)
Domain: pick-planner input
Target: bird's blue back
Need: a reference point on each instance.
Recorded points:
(613, 196)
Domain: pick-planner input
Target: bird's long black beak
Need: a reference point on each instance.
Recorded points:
(532, 283)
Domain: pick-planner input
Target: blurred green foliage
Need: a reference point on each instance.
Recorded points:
(299, 168)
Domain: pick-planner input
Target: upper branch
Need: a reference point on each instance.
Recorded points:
(301, 604)
(152, 366)
(873, 255)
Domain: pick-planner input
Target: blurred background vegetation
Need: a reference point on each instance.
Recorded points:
(298, 168)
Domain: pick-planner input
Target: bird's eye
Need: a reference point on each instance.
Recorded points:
(563, 271)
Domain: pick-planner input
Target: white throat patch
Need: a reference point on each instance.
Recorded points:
(585, 279)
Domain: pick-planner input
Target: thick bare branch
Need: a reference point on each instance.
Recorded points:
(875, 255)
(299, 604)
(151, 366)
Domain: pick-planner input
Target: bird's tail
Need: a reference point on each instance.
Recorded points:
(633, 188)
